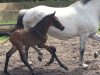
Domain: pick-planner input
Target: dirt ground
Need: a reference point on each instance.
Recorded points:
(68, 53)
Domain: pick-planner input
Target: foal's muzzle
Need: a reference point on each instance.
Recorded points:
(62, 28)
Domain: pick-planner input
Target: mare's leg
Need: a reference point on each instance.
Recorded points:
(8, 55)
(39, 53)
(82, 49)
(96, 37)
(24, 58)
(52, 51)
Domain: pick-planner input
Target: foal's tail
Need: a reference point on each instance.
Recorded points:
(19, 24)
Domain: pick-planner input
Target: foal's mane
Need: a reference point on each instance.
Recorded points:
(39, 27)
(41, 22)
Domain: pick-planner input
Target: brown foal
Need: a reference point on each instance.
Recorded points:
(35, 36)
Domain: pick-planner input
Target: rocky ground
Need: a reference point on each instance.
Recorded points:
(68, 53)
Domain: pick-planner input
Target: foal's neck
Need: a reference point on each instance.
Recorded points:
(41, 27)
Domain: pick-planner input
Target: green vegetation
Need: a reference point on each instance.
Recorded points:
(7, 22)
(3, 38)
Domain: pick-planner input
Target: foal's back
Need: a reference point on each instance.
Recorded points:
(24, 37)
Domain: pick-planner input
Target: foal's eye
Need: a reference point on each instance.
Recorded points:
(56, 17)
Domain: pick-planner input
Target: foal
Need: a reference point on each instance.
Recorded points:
(35, 36)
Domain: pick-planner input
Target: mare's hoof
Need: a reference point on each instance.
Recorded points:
(84, 66)
(30, 62)
(39, 58)
(95, 55)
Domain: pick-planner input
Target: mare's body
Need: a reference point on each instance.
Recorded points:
(79, 20)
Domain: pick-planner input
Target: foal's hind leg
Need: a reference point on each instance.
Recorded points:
(24, 58)
(8, 55)
(96, 37)
(26, 53)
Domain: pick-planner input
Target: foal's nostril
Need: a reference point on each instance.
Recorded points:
(62, 28)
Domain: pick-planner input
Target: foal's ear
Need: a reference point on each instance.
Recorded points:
(54, 13)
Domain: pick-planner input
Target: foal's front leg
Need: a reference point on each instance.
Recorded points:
(52, 51)
(39, 53)
(37, 50)
(26, 53)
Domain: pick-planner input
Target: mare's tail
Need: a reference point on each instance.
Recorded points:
(5, 33)
(19, 25)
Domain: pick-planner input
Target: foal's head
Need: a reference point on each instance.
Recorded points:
(52, 20)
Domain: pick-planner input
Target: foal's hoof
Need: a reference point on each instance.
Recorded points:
(39, 58)
(47, 65)
(66, 68)
(6, 73)
(33, 74)
(50, 62)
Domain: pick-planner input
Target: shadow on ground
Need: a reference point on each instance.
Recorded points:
(22, 70)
